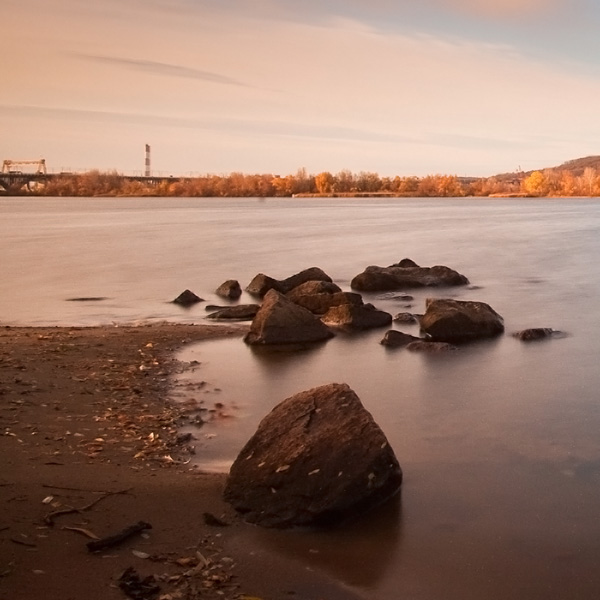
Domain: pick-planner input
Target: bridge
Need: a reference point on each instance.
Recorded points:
(14, 181)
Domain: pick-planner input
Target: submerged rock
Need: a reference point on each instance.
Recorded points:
(242, 312)
(316, 459)
(187, 298)
(431, 347)
(280, 321)
(537, 333)
(447, 320)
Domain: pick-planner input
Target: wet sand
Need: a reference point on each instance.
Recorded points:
(88, 447)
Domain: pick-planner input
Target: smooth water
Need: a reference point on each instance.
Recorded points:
(499, 441)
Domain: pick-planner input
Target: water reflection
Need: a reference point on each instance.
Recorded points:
(359, 553)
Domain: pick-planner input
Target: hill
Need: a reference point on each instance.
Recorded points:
(576, 167)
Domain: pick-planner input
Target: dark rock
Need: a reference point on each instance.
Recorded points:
(280, 321)
(380, 279)
(431, 347)
(261, 284)
(214, 307)
(537, 333)
(187, 298)
(405, 263)
(406, 318)
(243, 312)
(313, 287)
(397, 339)
(319, 304)
(229, 289)
(447, 320)
(352, 317)
(316, 459)
(311, 274)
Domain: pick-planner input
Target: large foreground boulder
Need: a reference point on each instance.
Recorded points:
(316, 459)
(381, 279)
(280, 321)
(447, 320)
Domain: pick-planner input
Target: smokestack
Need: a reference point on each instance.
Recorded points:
(147, 171)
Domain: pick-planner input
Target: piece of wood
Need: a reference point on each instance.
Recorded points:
(49, 518)
(117, 538)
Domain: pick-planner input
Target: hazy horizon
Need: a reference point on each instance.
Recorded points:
(447, 86)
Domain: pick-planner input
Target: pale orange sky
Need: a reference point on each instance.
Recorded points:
(441, 86)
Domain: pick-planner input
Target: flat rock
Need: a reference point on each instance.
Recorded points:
(381, 279)
(316, 459)
(242, 312)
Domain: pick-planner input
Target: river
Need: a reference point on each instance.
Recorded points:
(498, 441)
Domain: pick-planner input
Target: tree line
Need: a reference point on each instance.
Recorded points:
(550, 182)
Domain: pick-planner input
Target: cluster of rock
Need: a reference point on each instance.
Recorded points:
(319, 457)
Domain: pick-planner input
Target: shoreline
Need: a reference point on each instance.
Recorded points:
(86, 424)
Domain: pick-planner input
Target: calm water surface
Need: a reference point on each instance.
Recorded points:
(499, 442)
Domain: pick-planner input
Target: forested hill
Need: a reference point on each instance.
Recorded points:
(575, 167)
(579, 165)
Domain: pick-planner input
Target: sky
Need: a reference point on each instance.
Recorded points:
(397, 87)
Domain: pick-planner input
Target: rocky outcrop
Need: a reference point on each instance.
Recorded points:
(316, 459)
(262, 283)
(319, 304)
(229, 289)
(398, 339)
(280, 321)
(242, 312)
(447, 320)
(353, 317)
(187, 298)
(380, 279)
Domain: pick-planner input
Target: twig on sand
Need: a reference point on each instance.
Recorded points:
(117, 538)
(49, 518)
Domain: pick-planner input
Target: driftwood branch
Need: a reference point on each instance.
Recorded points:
(117, 538)
(49, 518)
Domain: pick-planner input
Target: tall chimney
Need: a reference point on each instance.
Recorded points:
(147, 171)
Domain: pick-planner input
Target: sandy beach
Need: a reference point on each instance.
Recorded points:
(89, 447)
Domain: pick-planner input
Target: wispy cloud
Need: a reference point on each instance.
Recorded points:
(504, 8)
(164, 69)
(258, 127)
